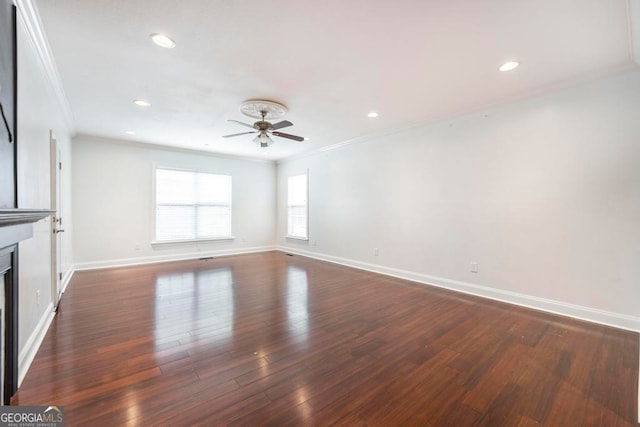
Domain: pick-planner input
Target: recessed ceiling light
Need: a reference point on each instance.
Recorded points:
(163, 40)
(372, 114)
(130, 132)
(508, 66)
(141, 103)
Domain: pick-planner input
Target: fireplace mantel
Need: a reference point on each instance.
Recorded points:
(15, 224)
(22, 216)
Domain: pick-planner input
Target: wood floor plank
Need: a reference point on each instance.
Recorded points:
(270, 339)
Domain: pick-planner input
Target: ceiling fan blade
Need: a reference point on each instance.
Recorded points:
(238, 134)
(280, 125)
(241, 123)
(289, 136)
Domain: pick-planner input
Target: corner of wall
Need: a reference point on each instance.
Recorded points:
(30, 17)
(633, 7)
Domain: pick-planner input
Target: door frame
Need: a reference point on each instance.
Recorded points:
(56, 223)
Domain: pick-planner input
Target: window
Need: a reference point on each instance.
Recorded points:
(297, 212)
(192, 205)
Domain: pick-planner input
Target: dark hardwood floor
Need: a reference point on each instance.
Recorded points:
(270, 339)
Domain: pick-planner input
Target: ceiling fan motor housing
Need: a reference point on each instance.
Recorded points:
(262, 125)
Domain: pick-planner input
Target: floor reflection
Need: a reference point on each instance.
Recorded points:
(194, 303)
(297, 302)
(203, 304)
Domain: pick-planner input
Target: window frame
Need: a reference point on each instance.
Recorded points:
(289, 236)
(154, 205)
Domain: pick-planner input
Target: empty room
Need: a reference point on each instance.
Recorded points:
(318, 213)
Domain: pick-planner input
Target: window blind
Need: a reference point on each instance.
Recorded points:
(192, 205)
(297, 210)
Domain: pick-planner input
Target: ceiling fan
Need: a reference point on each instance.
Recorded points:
(264, 110)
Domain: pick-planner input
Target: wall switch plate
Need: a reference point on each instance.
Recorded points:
(376, 251)
(474, 267)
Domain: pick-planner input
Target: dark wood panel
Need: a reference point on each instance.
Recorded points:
(9, 281)
(8, 103)
(268, 339)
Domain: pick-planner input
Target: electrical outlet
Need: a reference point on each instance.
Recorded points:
(376, 251)
(38, 297)
(474, 267)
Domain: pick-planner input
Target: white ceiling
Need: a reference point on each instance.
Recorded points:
(330, 62)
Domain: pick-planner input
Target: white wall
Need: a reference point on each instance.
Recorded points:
(38, 113)
(113, 211)
(544, 194)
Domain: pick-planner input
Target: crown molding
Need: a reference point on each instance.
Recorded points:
(153, 146)
(524, 96)
(29, 16)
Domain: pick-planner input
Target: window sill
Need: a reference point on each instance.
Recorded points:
(194, 241)
(306, 239)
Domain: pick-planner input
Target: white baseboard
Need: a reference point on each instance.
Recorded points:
(168, 258)
(557, 307)
(67, 277)
(26, 356)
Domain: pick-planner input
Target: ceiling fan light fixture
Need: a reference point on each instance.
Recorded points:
(509, 66)
(262, 140)
(141, 103)
(163, 40)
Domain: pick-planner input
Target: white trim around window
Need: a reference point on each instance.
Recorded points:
(298, 206)
(190, 206)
